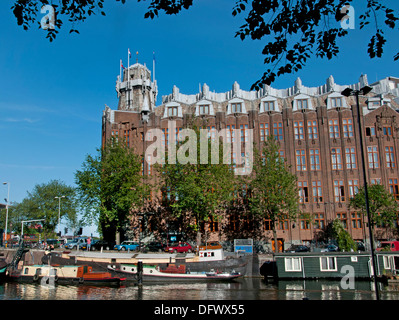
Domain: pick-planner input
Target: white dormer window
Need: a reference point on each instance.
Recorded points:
(172, 111)
(204, 109)
(336, 102)
(268, 106)
(302, 104)
(236, 107)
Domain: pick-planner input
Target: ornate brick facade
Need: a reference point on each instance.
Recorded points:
(317, 129)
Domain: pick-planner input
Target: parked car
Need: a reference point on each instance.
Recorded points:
(388, 246)
(179, 247)
(154, 246)
(298, 248)
(98, 244)
(75, 243)
(330, 248)
(127, 245)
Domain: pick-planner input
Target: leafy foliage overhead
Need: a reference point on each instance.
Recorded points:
(293, 30)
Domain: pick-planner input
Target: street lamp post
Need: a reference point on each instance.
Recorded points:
(59, 211)
(7, 205)
(363, 91)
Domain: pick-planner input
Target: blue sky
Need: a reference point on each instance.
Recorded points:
(52, 94)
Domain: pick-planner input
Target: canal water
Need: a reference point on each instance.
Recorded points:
(242, 289)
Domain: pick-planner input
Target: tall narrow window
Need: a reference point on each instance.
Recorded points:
(278, 130)
(353, 187)
(312, 129)
(343, 218)
(350, 157)
(317, 192)
(244, 132)
(387, 131)
(336, 159)
(303, 192)
(394, 188)
(172, 111)
(314, 159)
(339, 191)
(230, 133)
(300, 160)
(389, 157)
(264, 131)
(298, 130)
(356, 218)
(372, 155)
(333, 128)
(347, 128)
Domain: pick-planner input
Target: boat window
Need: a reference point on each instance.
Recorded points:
(387, 264)
(53, 272)
(26, 271)
(292, 264)
(328, 263)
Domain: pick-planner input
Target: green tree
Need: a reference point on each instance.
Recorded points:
(40, 203)
(293, 30)
(274, 187)
(197, 190)
(109, 186)
(382, 204)
(344, 239)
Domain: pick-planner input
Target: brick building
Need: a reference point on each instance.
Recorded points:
(316, 126)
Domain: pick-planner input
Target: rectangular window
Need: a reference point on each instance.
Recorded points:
(353, 187)
(267, 224)
(149, 165)
(298, 130)
(319, 220)
(204, 109)
(376, 181)
(312, 129)
(347, 128)
(356, 220)
(230, 133)
(302, 104)
(343, 218)
(304, 223)
(317, 192)
(300, 160)
(211, 132)
(268, 105)
(336, 159)
(350, 157)
(372, 155)
(236, 107)
(126, 136)
(336, 102)
(314, 159)
(389, 157)
(278, 131)
(172, 111)
(328, 264)
(333, 128)
(394, 188)
(303, 191)
(292, 264)
(387, 131)
(339, 191)
(370, 131)
(244, 132)
(264, 131)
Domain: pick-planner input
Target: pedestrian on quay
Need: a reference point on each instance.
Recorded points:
(88, 243)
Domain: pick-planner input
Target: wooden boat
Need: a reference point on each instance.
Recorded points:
(52, 274)
(171, 273)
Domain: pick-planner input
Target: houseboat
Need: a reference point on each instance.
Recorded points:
(72, 274)
(331, 265)
(171, 273)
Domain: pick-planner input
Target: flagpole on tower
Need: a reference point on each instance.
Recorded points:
(153, 66)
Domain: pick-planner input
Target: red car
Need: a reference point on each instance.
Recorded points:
(179, 247)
